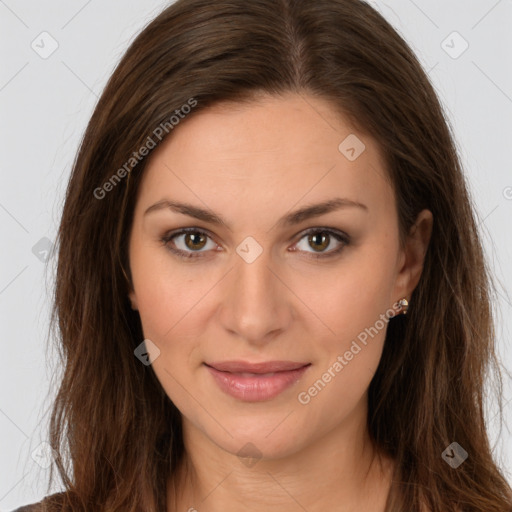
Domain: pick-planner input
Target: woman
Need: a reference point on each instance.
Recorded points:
(271, 293)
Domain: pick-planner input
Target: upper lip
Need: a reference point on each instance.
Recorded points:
(264, 367)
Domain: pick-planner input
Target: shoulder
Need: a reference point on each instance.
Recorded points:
(34, 507)
(41, 506)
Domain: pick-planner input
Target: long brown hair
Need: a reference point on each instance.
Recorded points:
(111, 418)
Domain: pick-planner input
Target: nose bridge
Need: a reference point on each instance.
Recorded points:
(254, 280)
(256, 301)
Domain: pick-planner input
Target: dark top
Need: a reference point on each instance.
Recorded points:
(34, 507)
(39, 506)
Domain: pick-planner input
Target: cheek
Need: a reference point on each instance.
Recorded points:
(351, 297)
(347, 359)
(169, 310)
(354, 306)
(166, 292)
(334, 392)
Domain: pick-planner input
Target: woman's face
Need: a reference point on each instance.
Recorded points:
(267, 284)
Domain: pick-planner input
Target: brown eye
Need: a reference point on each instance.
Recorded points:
(319, 241)
(195, 240)
(188, 243)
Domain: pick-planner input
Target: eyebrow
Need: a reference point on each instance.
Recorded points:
(295, 217)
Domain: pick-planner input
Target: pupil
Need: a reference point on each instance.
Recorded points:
(195, 239)
(322, 244)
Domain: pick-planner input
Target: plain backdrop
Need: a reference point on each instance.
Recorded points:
(56, 57)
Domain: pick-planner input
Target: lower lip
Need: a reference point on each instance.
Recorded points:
(256, 388)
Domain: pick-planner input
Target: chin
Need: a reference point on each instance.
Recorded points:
(259, 441)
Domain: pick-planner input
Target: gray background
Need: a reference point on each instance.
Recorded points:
(46, 101)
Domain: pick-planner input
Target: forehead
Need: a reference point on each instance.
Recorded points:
(272, 153)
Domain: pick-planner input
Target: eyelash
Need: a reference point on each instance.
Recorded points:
(338, 235)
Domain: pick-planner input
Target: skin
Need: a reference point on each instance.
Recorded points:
(252, 164)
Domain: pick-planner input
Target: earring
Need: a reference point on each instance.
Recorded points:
(404, 306)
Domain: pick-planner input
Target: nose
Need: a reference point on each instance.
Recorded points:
(256, 303)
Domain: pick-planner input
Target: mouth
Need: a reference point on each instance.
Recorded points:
(256, 382)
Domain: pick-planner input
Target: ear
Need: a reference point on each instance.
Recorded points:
(413, 256)
(133, 300)
(131, 293)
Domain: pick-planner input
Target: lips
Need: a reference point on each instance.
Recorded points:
(256, 382)
(259, 368)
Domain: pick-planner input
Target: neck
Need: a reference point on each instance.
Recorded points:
(340, 471)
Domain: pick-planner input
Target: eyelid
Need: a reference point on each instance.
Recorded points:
(169, 236)
(342, 237)
(339, 235)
